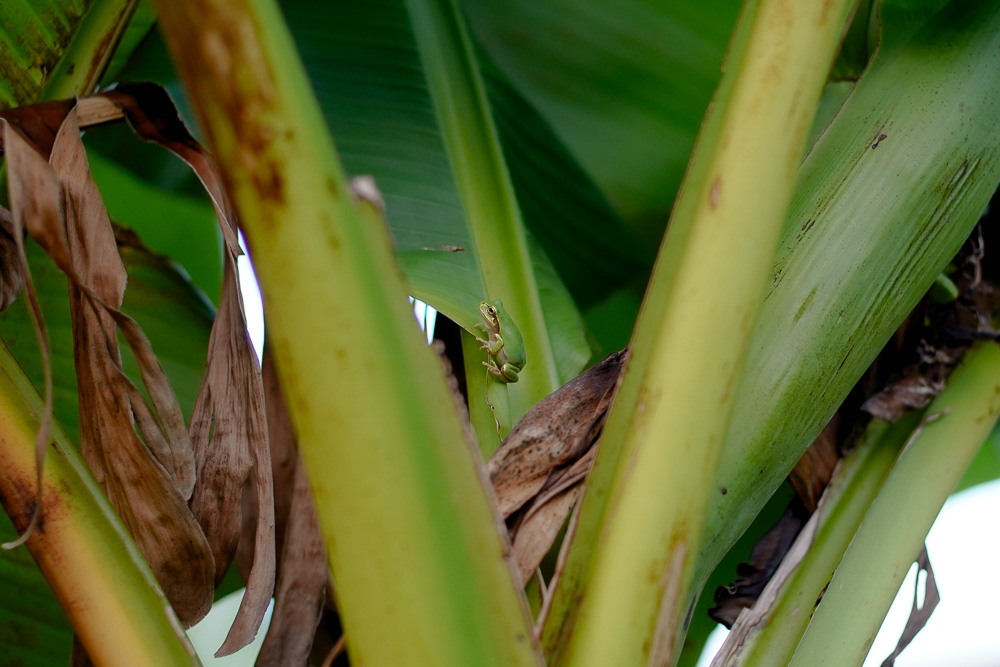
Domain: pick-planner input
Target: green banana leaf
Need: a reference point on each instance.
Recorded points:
(625, 84)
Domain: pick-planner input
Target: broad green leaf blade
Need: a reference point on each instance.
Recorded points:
(588, 244)
(377, 428)
(473, 147)
(363, 64)
(624, 85)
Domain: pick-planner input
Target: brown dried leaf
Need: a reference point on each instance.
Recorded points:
(813, 471)
(220, 436)
(153, 116)
(301, 568)
(62, 205)
(301, 593)
(11, 267)
(538, 525)
(901, 396)
(918, 615)
(260, 584)
(554, 433)
(765, 558)
(536, 533)
(228, 427)
(44, 223)
(39, 123)
(284, 450)
(229, 433)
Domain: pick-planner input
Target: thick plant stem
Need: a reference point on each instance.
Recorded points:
(95, 570)
(626, 589)
(411, 538)
(893, 531)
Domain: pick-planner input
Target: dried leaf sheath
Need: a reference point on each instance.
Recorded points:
(538, 472)
(302, 569)
(229, 433)
(11, 273)
(44, 222)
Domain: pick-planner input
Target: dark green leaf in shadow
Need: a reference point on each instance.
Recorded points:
(856, 49)
(181, 227)
(587, 242)
(623, 84)
(33, 629)
(19, 335)
(139, 27)
(985, 467)
(611, 321)
(176, 317)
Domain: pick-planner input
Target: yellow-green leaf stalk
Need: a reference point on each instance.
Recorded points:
(783, 611)
(82, 65)
(415, 550)
(642, 515)
(473, 146)
(893, 531)
(117, 609)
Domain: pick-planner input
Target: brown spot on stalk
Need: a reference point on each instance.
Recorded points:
(672, 606)
(715, 193)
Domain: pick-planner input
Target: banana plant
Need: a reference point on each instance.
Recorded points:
(820, 167)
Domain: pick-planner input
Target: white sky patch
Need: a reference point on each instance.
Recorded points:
(425, 315)
(964, 549)
(252, 305)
